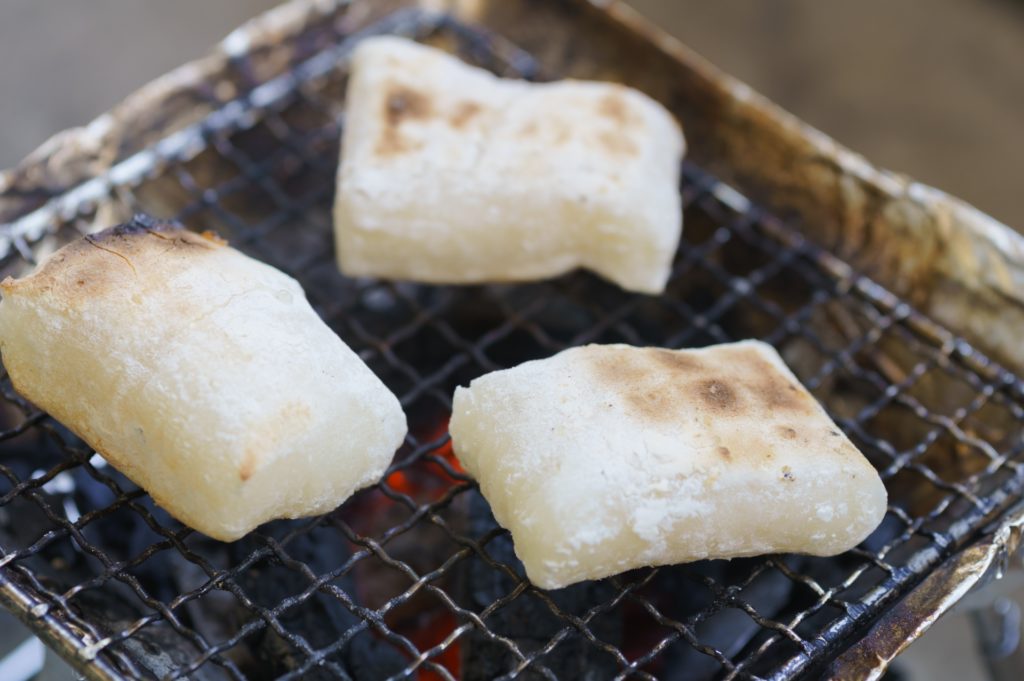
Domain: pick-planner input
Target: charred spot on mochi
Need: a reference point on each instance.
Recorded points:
(401, 104)
(464, 113)
(248, 465)
(787, 474)
(718, 395)
(787, 432)
(404, 103)
(133, 243)
(139, 224)
(130, 236)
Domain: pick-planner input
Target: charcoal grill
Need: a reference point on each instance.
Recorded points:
(887, 299)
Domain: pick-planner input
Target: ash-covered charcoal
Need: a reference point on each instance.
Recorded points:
(124, 534)
(527, 620)
(320, 619)
(157, 647)
(163, 652)
(17, 467)
(58, 564)
(112, 606)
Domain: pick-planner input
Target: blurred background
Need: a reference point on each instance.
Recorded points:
(931, 88)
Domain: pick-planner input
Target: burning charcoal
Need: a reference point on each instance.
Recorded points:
(527, 621)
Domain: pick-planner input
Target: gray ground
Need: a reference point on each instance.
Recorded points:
(933, 88)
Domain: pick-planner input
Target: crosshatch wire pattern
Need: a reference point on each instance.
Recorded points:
(412, 578)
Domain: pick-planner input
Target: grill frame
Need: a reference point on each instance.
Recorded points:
(98, 657)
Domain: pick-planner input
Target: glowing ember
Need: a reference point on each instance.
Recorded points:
(640, 634)
(433, 633)
(426, 480)
(399, 482)
(446, 453)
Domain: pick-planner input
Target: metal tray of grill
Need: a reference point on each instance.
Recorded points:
(887, 298)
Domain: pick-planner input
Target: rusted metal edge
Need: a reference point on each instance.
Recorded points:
(75, 648)
(911, 617)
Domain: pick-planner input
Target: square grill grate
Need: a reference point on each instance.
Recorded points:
(412, 578)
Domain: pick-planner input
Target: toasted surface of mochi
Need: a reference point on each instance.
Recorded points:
(450, 174)
(606, 458)
(201, 374)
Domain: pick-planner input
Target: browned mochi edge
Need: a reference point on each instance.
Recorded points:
(723, 385)
(88, 267)
(403, 103)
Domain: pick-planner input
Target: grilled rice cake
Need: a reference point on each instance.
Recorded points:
(602, 459)
(201, 374)
(450, 174)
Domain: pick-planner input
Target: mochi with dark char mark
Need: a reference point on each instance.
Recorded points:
(606, 458)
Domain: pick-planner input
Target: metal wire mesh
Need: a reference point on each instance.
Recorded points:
(413, 577)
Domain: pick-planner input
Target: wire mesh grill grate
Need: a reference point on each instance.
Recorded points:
(412, 578)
